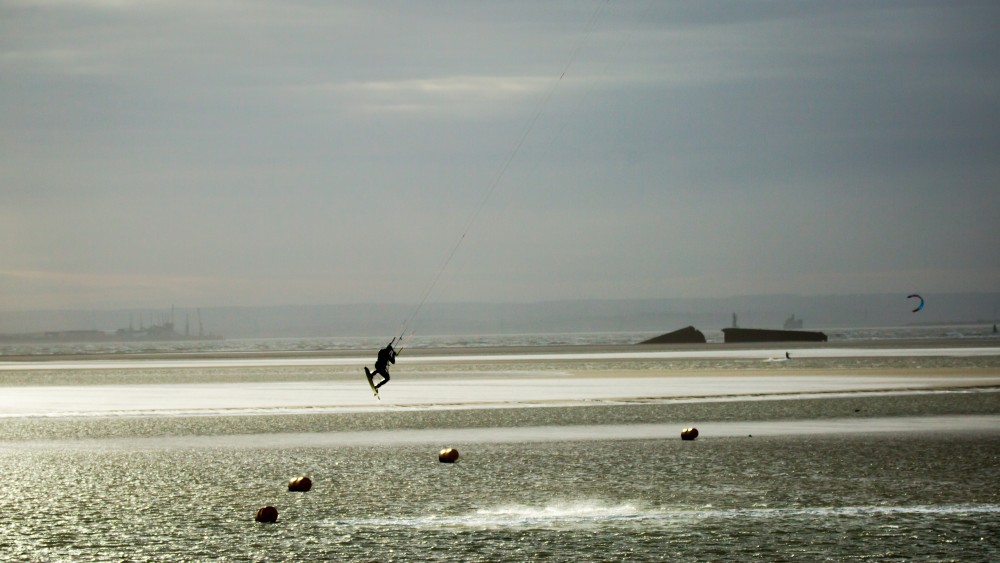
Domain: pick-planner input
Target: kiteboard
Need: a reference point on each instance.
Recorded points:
(371, 383)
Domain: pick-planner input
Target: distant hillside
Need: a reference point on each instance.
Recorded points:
(654, 315)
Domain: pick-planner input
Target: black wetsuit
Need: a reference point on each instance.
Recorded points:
(386, 356)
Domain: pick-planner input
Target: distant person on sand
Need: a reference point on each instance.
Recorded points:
(386, 356)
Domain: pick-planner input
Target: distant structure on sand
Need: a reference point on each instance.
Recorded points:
(767, 335)
(686, 335)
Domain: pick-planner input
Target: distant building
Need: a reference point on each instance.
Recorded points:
(791, 323)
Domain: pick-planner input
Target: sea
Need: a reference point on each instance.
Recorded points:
(969, 332)
(135, 460)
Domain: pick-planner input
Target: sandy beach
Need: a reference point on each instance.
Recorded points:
(932, 380)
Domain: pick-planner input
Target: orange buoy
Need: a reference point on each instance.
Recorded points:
(300, 484)
(689, 434)
(448, 455)
(267, 514)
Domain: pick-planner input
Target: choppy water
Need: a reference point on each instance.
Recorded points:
(609, 481)
(879, 497)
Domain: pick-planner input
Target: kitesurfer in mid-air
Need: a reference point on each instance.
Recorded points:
(386, 356)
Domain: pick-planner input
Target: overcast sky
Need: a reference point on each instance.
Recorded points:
(292, 152)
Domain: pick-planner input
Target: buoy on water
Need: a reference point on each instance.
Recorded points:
(448, 455)
(267, 514)
(300, 484)
(689, 434)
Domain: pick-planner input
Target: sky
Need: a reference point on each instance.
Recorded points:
(191, 153)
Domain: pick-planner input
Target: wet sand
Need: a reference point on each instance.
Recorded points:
(478, 378)
(469, 392)
(726, 390)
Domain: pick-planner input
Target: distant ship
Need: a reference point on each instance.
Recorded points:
(791, 323)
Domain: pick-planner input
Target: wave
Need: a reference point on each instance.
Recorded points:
(561, 515)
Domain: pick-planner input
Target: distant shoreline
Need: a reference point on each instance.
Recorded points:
(914, 343)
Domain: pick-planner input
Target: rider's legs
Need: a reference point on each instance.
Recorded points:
(385, 377)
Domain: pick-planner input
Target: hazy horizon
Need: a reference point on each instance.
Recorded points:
(204, 154)
(580, 316)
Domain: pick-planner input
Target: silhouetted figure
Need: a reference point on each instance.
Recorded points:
(386, 356)
(788, 356)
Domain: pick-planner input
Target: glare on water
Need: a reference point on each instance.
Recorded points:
(559, 457)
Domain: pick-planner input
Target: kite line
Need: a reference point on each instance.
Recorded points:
(588, 29)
